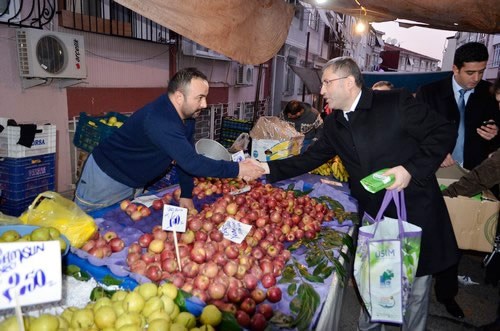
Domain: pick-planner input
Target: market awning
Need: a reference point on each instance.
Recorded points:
(253, 31)
(250, 32)
(311, 77)
(455, 15)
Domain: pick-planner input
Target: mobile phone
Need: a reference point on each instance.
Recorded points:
(489, 122)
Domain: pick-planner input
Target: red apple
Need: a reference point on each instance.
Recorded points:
(201, 282)
(216, 291)
(145, 240)
(250, 281)
(273, 294)
(258, 295)
(258, 322)
(153, 272)
(157, 204)
(265, 309)
(109, 235)
(169, 265)
(248, 306)
(242, 318)
(268, 280)
(88, 245)
(116, 245)
(124, 204)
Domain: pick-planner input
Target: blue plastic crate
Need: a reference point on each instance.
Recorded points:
(28, 193)
(27, 184)
(236, 124)
(19, 170)
(14, 207)
(93, 129)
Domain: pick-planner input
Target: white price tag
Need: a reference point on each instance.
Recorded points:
(174, 218)
(241, 190)
(30, 272)
(238, 156)
(234, 230)
(146, 200)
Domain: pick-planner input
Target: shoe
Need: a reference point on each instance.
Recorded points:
(453, 309)
(466, 281)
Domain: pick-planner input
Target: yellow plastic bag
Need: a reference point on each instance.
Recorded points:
(52, 209)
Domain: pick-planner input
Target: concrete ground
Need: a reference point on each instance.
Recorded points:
(479, 302)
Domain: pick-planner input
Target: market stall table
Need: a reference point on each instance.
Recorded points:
(326, 316)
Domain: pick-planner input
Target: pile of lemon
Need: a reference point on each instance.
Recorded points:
(111, 121)
(148, 307)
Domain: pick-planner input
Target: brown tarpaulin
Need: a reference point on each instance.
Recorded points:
(455, 15)
(250, 32)
(253, 31)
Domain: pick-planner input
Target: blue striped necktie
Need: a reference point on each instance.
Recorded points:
(458, 152)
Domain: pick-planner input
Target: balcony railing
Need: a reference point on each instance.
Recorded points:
(110, 18)
(97, 16)
(31, 14)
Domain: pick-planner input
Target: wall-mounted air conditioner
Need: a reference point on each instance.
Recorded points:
(49, 54)
(244, 75)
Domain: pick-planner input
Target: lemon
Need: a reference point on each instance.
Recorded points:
(211, 315)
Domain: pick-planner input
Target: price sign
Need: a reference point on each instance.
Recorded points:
(30, 273)
(174, 218)
(238, 156)
(244, 189)
(234, 230)
(146, 200)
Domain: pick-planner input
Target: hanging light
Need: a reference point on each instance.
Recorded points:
(360, 27)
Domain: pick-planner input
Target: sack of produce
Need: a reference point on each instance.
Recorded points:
(52, 209)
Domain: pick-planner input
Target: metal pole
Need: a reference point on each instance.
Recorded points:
(305, 66)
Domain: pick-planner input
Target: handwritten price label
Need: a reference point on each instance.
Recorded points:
(174, 218)
(235, 231)
(30, 272)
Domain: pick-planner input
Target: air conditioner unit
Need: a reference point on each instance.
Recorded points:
(244, 75)
(49, 54)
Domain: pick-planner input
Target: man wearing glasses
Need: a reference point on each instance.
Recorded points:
(372, 130)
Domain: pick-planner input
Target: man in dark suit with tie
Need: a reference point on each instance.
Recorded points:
(386, 129)
(466, 100)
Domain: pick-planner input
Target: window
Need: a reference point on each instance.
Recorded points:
(496, 56)
(8, 10)
(313, 19)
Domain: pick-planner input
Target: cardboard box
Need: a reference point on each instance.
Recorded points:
(474, 222)
(269, 149)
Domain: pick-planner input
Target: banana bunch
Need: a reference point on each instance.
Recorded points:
(333, 167)
(324, 170)
(339, 170)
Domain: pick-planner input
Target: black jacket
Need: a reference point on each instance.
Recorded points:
(389, 128)
(481, 106)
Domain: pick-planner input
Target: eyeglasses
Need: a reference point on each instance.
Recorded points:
(327, 82)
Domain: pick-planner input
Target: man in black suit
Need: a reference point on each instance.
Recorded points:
(386, 129)
(475, 138)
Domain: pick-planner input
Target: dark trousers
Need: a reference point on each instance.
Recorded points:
(446, 284)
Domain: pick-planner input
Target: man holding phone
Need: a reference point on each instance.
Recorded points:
(465, 99)
(465, 91)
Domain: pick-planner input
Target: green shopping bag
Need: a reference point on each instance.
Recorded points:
(386, 261)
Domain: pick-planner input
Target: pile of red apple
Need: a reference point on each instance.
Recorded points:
(205, 187)
(138, 211)
(103, 246)
(235, 277)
